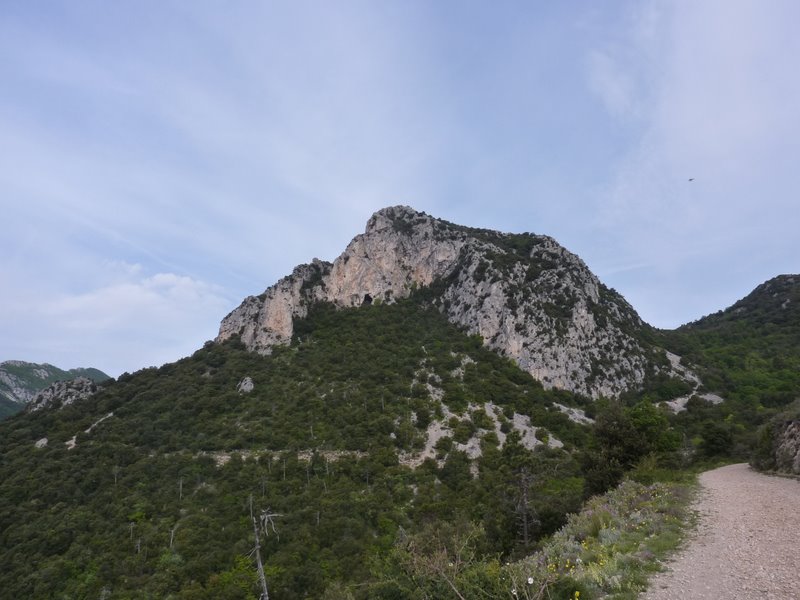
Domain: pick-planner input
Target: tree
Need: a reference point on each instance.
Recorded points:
(622, 436)
(717, 439)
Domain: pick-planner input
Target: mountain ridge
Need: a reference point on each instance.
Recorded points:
(528, 297)
(21, 381)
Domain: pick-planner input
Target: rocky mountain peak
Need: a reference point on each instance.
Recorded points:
(526, 295)
(397, 218)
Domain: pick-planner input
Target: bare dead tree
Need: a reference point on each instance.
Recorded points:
(264, 522)
(523, 509)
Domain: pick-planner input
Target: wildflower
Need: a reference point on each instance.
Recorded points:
(514, 591)
(530, 580)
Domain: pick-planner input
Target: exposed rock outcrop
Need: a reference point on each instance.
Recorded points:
(245, 386)
(63, 393)
(527, 296)
(787, 447)
(778, 444)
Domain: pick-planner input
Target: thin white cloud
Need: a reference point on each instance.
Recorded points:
(717, 96)
(613, 84)
(130, 321)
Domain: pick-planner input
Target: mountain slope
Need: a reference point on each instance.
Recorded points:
(750, 351)
(20, 381)
(524, 294)
(144, 487)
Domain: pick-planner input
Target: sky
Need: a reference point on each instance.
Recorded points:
(160, 160)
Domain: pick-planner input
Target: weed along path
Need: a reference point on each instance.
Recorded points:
(747, 545)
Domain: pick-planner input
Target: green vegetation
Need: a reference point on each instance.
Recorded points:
(751, 351)
(608, 549)
(153, 502)
(8, 407)
(622, 438)
(750, 355)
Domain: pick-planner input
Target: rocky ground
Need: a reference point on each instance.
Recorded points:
(747, 545)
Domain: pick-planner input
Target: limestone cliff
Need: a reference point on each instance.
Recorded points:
(527, 296)
(63, 393)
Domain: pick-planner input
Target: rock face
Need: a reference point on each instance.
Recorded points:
(63, 393)
(245, 386)
(787, 447)
(524, 294)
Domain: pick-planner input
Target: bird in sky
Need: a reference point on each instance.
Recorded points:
(691, 178)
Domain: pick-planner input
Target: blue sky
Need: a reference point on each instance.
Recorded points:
(161, 160)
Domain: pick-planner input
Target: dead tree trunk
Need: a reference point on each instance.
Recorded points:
(261, 578)
(524, 510)
(266, 519)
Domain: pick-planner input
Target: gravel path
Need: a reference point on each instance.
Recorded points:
(747, 545)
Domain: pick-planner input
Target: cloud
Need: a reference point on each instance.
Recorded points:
(222, 148)
(129, 321)
(613, 84)
(265, 120)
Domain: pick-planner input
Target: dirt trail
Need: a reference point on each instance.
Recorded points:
(747, 545)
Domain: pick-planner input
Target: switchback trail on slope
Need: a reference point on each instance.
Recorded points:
(747, 545)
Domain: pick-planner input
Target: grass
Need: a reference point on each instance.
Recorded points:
(610, 548)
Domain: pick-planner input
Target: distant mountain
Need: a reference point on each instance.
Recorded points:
(20, 381)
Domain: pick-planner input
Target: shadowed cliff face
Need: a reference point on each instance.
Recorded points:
(787, 447)
(528, 297)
